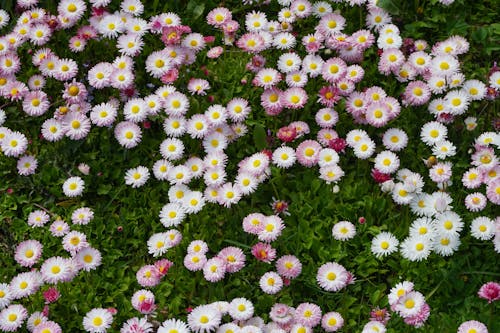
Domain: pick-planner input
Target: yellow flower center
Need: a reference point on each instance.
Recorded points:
(409, 304)
(309, 152)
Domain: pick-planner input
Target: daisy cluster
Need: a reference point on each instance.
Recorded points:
(429, 74)
(242, 318)
(51, 271)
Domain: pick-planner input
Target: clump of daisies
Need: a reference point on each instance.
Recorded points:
(409, 304)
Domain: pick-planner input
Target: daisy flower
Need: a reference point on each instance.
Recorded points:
(422, 227)
(99, 76)
(76, 126)
(251, 42)
(289, 266)
(272, 227)
(331, 24)
(444, 65)
(25, 284)
(488, 138)
(472, 326)
(88, 259)
(135, 110)
(443, 149)
(301, 8)
(271, 283)
(28, 253)
(97, 320)
(389, 41)
(332, 321)
(38, 218)
(234, 258)
(14, 144)
(282, 314)
(472, 178)
(218, 16)
(417, 93)
(409, 304)
(333, 70)
(440, 172)
(198, 86)
(475, 202)
(437, 84)
(286, 15)
(482, 228)
(364, 148)
(331, 173)
(420, 61)
(204, 319)
(446, 245)
(416, 248)
(128, 134)
(255, 21)
(214, 269)
(267, 78)
(148, 276)
(194, 41)
(494, 81)
(137, 177)
(457, 102)
(484, 158)
(27, 165)
(174, 126)
(172, 214)
(195, 261)
(193, 202)
(103, 114)
(241, 309)
(332, 276)
(374, 327)
(73, 186)
(237, 109)
(173, 325)
(384, 244)
(448, 223)
(395, 139)
(343, 230)
(172, 149)
(289, 62)
(246, 182)
(157, 244)
(59, 228)
(433, 132)
(493, 191)
(35, 320)
(56, 269)
(134, 7)
(198, 126)
(5, 295)
(308, 153)
(12, 317)
(74, 241)
(134, 325)
(110, 26)
(328, 157)
(229, 195)
(35, 103)
(308, 314)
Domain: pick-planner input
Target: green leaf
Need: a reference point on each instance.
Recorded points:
(259, 137)
(480, 34)
(390, 6)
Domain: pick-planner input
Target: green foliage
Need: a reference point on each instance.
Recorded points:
(125, 218)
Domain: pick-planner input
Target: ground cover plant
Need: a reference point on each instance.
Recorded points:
(248, 166)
